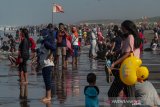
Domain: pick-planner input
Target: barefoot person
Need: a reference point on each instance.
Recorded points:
(24, 56)
(75, 46)
(61, 45)
(46, 63)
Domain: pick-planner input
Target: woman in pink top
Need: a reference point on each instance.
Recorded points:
(131, 43)
(100, 39)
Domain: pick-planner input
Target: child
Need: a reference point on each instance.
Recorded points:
(110, 58)
(14, 61)
(145, 91)
(107, 67)
(91, 92)
(4, 47)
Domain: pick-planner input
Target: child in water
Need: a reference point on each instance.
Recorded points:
(14, 60)
(91, 92)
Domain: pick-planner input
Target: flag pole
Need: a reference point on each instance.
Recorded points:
(52, 12)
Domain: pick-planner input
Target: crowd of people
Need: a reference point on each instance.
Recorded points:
(66, 41)
(126, 41)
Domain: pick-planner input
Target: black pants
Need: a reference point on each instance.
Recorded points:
(118, 85)
(100, 47)
(46, 72)
(115, 89)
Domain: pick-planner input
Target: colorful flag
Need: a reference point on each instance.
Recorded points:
(58, 8)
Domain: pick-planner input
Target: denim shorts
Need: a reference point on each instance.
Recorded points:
(75, 48)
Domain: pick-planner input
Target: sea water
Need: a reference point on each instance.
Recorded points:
(1, 33)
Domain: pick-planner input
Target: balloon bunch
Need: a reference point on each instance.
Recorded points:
(131, 70)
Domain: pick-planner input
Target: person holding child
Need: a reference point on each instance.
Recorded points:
(46, 62)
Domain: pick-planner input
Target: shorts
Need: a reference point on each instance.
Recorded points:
(67, 55)
(61, 50)
(75, 48)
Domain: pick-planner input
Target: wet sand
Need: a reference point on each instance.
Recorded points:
(68, 85)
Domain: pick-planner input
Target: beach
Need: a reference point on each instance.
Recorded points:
(67, 85)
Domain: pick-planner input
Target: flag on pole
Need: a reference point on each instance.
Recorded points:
(58, 8)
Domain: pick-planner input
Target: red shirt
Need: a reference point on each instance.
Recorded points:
(33, 44)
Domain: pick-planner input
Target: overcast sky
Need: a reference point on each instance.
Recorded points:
(29, 12)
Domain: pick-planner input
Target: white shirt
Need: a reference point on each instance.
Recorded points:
(74, 40)
(146, 93)
(48, 62)
(94, 36)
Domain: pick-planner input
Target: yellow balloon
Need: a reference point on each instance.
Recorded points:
(136, 61)
(142, 73)
(128, 70)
